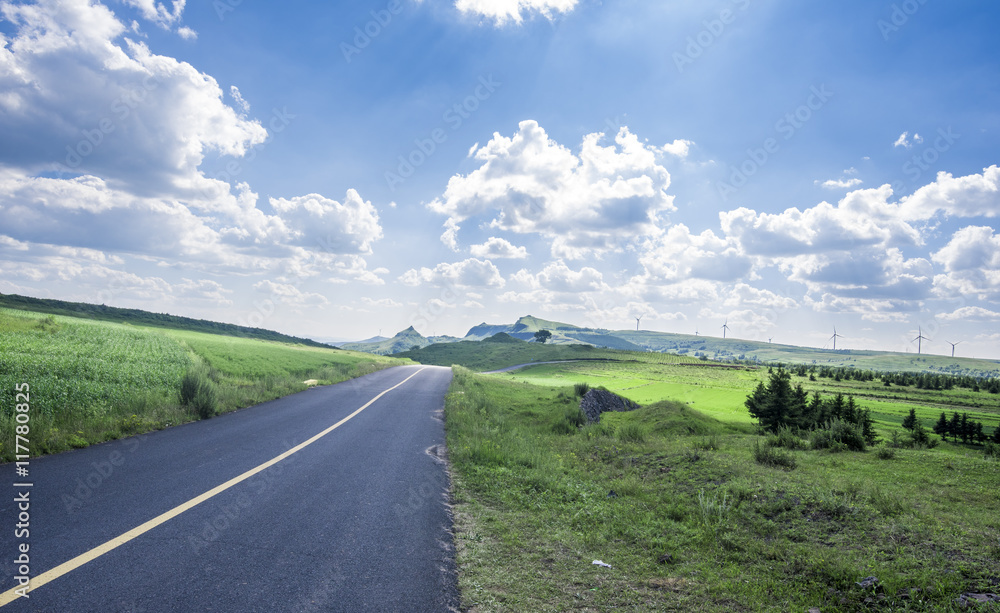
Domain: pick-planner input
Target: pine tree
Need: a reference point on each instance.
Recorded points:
(978, 433)
(777, 404)
(954, 426)
(941, 427)
(964, 430)
(910, 420)
(867, 426)
(996, 434)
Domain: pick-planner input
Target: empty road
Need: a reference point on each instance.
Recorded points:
(299, 504)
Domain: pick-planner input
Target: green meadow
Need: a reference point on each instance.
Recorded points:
(92, 381)
(695, 511)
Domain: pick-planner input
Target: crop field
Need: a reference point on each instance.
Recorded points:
(688, 509)
(92, 381)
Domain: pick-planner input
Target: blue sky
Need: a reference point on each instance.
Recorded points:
(336, 169)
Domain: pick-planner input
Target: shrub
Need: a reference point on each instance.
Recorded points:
(991, 450)
(884, 452)
(838, 435)
(773, 457)
(787, 439)
(581, 389)
(198, 393)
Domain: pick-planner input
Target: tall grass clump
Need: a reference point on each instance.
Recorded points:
(581, 389)
(786, 438)
(197, 392)
(570, 421)
(772, 456)
(838, 435)
(631, 433)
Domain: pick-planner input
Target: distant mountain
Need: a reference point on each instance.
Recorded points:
(374, 339)
(708, 347)
(402, 341)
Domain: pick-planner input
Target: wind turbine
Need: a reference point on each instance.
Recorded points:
(953, 346)
(835, 337)
(637, 319)
(725, 327)
(920, 338)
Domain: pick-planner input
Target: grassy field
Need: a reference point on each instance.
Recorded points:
(93, 381)
(720, 391)
(674, 501)
(492, 355)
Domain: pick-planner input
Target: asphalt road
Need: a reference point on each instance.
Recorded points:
(356, 520)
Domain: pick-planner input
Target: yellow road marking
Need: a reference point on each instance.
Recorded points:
(50, 575)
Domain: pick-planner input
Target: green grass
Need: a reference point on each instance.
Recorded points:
(487, 355)
(92, 381)
(674, 500)
(720, 392)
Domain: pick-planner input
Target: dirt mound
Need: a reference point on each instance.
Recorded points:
(598, 401)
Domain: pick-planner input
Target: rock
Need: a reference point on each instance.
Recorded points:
(665, 559)
(867, 582)
(598, 401)
(968, 598)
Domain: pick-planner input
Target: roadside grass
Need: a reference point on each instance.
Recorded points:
(93, 381)
(689, 521)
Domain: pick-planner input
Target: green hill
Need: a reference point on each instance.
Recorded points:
(138, 317)
(402, 341)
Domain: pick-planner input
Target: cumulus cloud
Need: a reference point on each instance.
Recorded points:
(290, 294)
(679, 255)
(502, 11)
(905, 141)
(471, 273)
(157, 12)
(976, 195)
(971, 314)
(81, 98)
(971, 261)
(498, 248)
(558, 277)
(840, 183)
(584, 203)
(319, 222)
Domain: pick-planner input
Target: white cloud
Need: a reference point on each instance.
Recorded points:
(157, 12)
(971, 314)
(498, 248)
(558, 277)
(975, 195)
(187, 33)
(679, 148)
(502, 11)
(679, 255)
(745, 295)
(320, 223)
(863, 218)
(905, 142)
(584, 203)
(840, 183)
(80, 98)
(471, 273)
(971, 260)
(289, 294)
